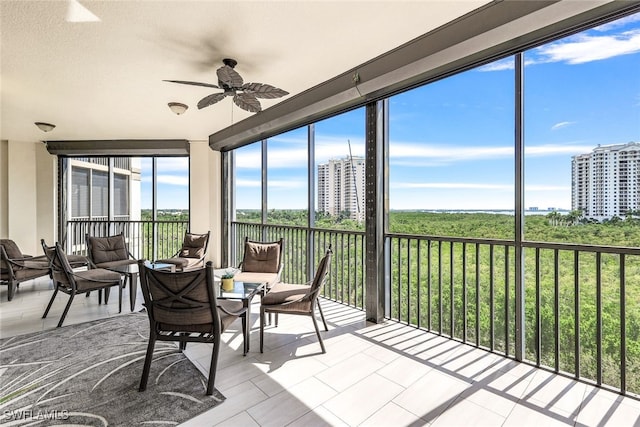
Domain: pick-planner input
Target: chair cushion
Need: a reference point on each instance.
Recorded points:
(248, 277)
(77, 260)
(11, 249)
(86, 280)
(193, 245)
(261, 257)
(286, 292)
(181, 263)
(107, 249)
(32, 269)
(117, 263)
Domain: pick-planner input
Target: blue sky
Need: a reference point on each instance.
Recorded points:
(173, 183)
(451, 142)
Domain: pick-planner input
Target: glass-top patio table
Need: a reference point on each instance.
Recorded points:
(130, 271)
(243, 291)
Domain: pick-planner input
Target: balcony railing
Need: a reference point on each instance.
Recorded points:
(145, 239)
(578, 318)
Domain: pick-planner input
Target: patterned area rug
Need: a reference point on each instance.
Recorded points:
(88, 374)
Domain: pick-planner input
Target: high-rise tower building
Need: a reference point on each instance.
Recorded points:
(606, 182)
(341, 187)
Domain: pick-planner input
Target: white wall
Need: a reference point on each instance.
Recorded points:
(4, 180)
(30, 195)
(205, 191)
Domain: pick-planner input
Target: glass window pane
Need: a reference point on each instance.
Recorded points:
(582, 135)
(287, 187)
(121, 194)
(340, 171)
(248, 183)
(99, 194)
(79, 192)
(451, 154)
(173, 185)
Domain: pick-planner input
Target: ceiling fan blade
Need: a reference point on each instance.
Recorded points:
(211, 99)
(184, 82)
(261, 90)
(247, 101)
(229, 77)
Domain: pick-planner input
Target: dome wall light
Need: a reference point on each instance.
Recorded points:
(178, 107)
(45, 127)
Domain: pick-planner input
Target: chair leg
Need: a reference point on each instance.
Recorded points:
(214, 365)
(322, 315)
(66, 309)
(147, 362)
(245, 334)
(55, 292)
(262, 313)
(315, 325)
(120, 298)
(12, 289)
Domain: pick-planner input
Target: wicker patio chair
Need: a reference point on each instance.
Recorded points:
(192, 253)
(73, 282)
(182, 307)
(285, 298)
(261, 263)
(16, 267)
(110, 251)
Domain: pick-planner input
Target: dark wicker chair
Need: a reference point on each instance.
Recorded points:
(78, 282)
(285, 298)
(76, 261)
(191, 254)
(261, 262)
(183, 307)
(110, 251)
(16, 267)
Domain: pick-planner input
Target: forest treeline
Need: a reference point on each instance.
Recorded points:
(563, 288)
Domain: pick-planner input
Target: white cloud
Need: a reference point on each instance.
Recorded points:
(248, 183)
(273, 184)
(618, 23)
(452, 185)
(417, 153)
(173, 180)
(547, 188)
(326, 147)
(561, 125)
(586, 48)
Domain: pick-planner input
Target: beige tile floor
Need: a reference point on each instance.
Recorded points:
(372, 375)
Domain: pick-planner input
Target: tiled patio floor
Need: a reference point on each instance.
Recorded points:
(372, 375)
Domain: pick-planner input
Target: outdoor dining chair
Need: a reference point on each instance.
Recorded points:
(261, 262)
(110, 251)
(182, 307)
(16, 267)
(286, 298)
(72, 282)
(192, 253)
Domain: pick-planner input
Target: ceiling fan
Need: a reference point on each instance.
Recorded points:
(245, 95)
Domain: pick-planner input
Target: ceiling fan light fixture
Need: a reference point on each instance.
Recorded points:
(45, 127)
(178, 107)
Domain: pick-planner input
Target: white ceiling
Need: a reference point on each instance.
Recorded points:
(103, 80)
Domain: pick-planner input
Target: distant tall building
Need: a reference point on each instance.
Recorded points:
(341, 187)
(606, 182)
